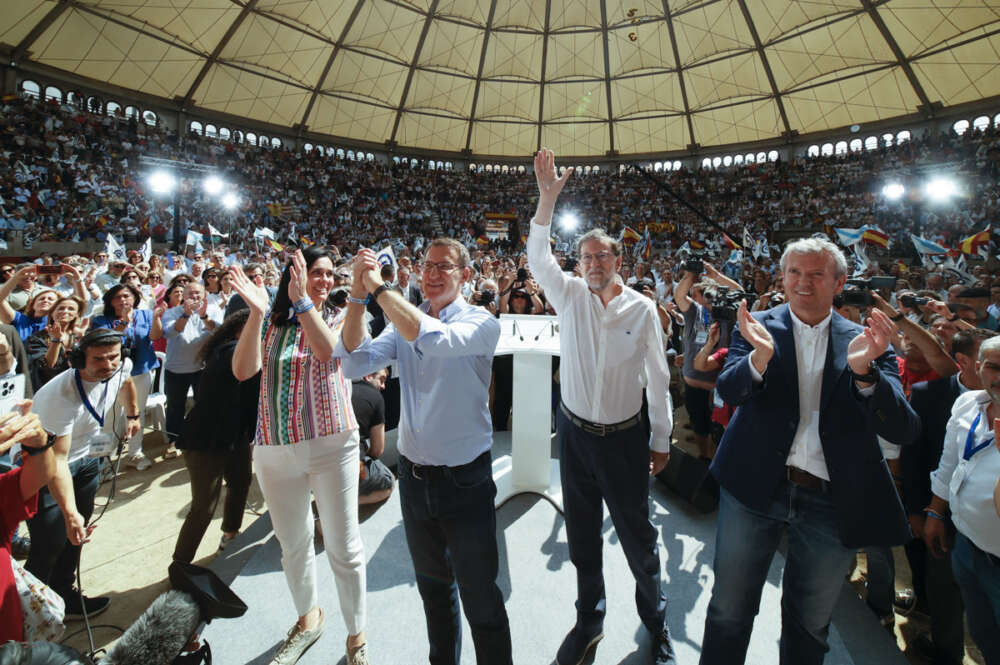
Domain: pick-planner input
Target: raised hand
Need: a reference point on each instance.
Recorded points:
(549, 184)
(871, 343)
(366, 270)
(297, 273)
(757, 336)
(254, 296)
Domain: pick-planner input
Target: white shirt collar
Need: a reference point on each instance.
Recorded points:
(803, 327)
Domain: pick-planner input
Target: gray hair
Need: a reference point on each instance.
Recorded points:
(816, 245)
(464, 260)
(601, 236)
(988, 346)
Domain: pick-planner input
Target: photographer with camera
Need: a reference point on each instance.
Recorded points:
(697, 311)
(520, 295)
(74, 407)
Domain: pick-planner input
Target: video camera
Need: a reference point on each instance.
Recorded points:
(725, 304)
(695, 263)
(486, 297)
(912, 301)
(861, 293)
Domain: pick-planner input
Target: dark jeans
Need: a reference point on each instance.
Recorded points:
(934, 584)
(698, 403)
(450, 526)
(615, 469)
(815, 567)
(176, 387)
(503, 391)
(53, 559)
(881, 580)
(978, 576)
(207, 470)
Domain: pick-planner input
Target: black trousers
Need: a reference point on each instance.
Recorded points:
(615, 469)
(207, 470)
(175, 386)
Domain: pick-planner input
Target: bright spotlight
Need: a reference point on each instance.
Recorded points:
(893, 191)
(230, 201)
(941, 189)
(213, 185)
(569, 221)
(162, 182)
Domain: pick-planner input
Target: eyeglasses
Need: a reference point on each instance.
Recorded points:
(600, 256)
(443, 267)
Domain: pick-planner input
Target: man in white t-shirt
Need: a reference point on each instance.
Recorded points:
(73, 407)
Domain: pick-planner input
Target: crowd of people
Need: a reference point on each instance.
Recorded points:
(879, 399)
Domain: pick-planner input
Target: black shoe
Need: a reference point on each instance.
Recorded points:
(663, 649)
(577, 644)
(75, 609)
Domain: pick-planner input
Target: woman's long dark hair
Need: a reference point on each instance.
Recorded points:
(227, 331)
(282, 303)
(109, 309)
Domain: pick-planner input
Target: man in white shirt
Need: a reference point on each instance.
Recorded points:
(963, 486)
(801, 457)
(73, 407)
(612, 346)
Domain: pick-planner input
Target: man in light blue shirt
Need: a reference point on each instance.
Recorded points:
(444, 351)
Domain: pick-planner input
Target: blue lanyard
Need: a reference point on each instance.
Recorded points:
(970, 447)
(86, 400)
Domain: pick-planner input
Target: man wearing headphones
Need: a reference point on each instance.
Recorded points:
(73, 407)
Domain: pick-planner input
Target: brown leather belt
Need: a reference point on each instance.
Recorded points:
(598, 429)
(805, 479)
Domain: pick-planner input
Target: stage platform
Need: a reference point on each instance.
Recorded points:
(538, 584)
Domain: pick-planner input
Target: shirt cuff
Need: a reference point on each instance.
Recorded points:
(867, 391)
(940, 486)
(428, 326)
(754, 374)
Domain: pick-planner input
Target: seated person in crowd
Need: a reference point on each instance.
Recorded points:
(376, 480)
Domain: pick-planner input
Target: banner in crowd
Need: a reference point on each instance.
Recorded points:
(386, 257)
(850, 237)
(973, 244)
(114, 249)
(876, 236)
(264, 232)
(925, 246)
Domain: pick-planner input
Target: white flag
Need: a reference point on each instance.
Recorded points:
(193, 238)
(3, 244)
(114, 249)
(146, 250)
(386, 257)
(264, 232)
(216, 232)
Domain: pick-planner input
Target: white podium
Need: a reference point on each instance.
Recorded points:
(532, 341)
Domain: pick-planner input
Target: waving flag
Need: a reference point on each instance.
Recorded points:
(263, 232)
(273, 245)
(861, 261)
(146, 250)
(876, 236)
(849, 237)
(274, 209)
(729, 242)
(973, 244)
(386, 257)
(925, 246)
(747, 239)
(306, 242)
(114, 249)
(629, 236)
(216, 232)
(193, 238)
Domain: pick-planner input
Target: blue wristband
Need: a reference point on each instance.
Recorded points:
(937, 516)
(302, 309)
(359, 301)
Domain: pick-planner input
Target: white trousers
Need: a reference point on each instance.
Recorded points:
(328, 468)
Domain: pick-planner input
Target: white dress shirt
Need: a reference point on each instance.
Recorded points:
(968, 485)
(605, 350)
(810, 358)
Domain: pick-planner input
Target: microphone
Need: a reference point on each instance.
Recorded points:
(518, 331)
(159, 634)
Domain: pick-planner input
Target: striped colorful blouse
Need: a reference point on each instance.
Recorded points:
(301, 397)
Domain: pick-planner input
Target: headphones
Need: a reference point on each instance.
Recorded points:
(77, 356)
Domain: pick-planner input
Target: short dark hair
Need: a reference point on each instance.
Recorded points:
(974, 292)
(109, 310)
(966, 340)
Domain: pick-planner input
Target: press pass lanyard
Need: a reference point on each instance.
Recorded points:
(970, 441)
(90, 407)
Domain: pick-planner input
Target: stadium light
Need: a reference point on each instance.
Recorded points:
(230, 201)
(940, 189)
(162, 182)
(213, 185)
(893, 191)
(569, 221)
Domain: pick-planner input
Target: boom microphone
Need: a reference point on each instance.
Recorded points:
(160, 634)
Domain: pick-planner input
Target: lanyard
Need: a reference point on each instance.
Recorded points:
(86, 400)
(970, 447)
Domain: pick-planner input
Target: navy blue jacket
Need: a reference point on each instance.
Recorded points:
(750, 463)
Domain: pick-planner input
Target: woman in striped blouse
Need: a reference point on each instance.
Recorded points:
(306, 443)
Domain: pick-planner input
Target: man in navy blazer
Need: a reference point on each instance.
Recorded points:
(801, 457)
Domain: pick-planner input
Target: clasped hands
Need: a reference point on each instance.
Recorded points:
(367, 273)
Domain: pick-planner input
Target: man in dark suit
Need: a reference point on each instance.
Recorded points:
(801, 457)
(408, 288)
(932, 577)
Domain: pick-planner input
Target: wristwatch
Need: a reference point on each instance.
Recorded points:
(899, 317)
(385, 286)
(869, 377)
(41, 449)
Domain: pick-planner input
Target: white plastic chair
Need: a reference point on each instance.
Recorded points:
(156, 403)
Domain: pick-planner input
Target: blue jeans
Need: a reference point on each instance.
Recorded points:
(53, 559)
(978, 577)
(450, 526)
(815, 567)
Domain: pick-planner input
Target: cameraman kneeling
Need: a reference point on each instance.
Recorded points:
(73, 407)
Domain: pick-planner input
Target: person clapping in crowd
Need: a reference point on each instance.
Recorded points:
(48, 348)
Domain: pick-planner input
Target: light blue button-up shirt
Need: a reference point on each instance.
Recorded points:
(444, 378)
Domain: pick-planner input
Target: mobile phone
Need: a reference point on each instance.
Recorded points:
(48, 270)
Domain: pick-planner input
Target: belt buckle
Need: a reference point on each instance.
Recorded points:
(413, 470)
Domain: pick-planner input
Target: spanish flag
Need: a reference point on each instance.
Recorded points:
(730, 243)
(273, 245)
(630, 236)
(972, 244)
(694, 244)
(876, 237)
(274, 209)
(482, 240)
(306, 242)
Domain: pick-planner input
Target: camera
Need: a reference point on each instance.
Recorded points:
(486, 298)
(48, 270)
(644, 283)
(339, 298)
(860, 294)
(725, 304)
(522, 275)
(695, 263)
(912, 301)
